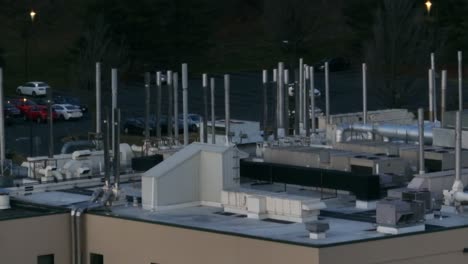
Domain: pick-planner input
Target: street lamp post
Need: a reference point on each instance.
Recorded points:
(32, 15)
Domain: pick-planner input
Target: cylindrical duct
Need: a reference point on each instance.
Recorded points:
(227, 110)
(185, 102)
(421, 140)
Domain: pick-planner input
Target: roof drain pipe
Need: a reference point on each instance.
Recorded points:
(421, 140)
(73, 236)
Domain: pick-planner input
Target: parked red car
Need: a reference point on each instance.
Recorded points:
(23, 104)
(39, 114)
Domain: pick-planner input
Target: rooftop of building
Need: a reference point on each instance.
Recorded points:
(25, 210)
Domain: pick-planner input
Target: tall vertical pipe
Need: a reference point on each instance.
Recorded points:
(431, 93)
(185, 102)
(106, 149)
(301, 87)
(114, 99)
(169, 103)
(286, 100)
(158, 104)
(175, 82)
(281, 128)
(117, 148)
(306, 101)
(275, 99)
(364, 93)
(2, 124)
(460, 88)
(73, 236)
(98, 98)
(458, 145)
(213, 117)
(327, 94)
(227, 110)
(265, 103)
(312, 98)
(205, 107)
(443, 94)
(421, 139)
(147, 104)
(51, 123)
(434, 85)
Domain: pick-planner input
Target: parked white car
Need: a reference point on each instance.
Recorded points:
(67, 111)
(33, 88)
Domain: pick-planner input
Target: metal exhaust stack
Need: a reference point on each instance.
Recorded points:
(265, 103)
(364, 93)
(280, 86)
(306, 101)
(421, 140)
(117, 148)
(443, 97)
(175, 82)
(431, 93)
(213, 117)
(147, 105)
(158, 105)
(304, 97)
(327, 94)
(205, 108)
(169, 103)
(312, 99)
(98, 99)
(460, 88)
(185, 102)
(458, 146)
(227, 120)
(114, 100)
(50, 122)
(286, 100)
(275, 99)
(434, 85)
(106, 150)
(299, 91)
(2, 124)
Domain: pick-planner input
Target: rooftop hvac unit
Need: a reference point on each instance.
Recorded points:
(81, 154)
(4, 201)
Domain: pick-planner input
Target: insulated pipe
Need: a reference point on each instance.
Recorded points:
(443, 97)
(169, 103)
(275, 99)
(327, 94)
(185, 102)
(421, 140)
(304, 97)
(205, 107)
(98, 98)
(286, 100)
(460, 88)
(312, 99)
(265, 103)
(364, 93)
(114, 99)
(117, 148)
(227, 120)
(402, 132)
(2, 124)
(73, 236)
(296, 102)
(301, 83)
(281, 128)
(147, 104)
(175, 81)
(434, 94)
(213, 118)
(158, 105)
(431, 93)
(306, 101)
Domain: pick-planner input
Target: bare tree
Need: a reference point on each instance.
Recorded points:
(97, 44)
(398, 52)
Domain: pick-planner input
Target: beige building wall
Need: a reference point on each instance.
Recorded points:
(22, 240)
(122, 241)
(429, 248)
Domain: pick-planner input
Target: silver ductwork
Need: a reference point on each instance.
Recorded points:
(393, 131)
